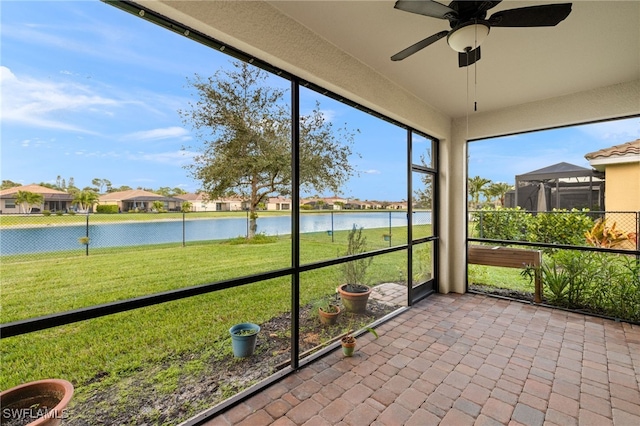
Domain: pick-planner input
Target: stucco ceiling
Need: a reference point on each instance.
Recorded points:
(598, 45)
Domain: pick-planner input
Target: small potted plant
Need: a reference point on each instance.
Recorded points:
(244, 337)
(355, 293)
(348, 342)
(328, 310)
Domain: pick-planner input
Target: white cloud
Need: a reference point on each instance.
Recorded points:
(39, 103)
(162, 133)
(175, 158)
(371, 172)
(614, 132)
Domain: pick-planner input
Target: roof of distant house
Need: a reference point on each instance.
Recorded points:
(134, 195)
(36, 189)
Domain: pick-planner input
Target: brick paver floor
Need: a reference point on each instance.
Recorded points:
(465, 360)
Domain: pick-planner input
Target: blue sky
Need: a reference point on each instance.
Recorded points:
(501, 159)
(89, 91)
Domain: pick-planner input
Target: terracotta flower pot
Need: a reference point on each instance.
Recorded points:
(43, 401)
(354, 302)
(329, 318)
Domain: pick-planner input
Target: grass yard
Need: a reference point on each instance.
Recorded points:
(499, 277)
(160, 345)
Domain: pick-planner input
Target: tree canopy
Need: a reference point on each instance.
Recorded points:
(27, 200)
(245, 129)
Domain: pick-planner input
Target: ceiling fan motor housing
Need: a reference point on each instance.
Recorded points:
(468, 36)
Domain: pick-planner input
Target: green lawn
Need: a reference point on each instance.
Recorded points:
(105, 352)
(150, 352)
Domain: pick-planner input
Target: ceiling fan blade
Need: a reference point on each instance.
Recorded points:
(547, 15)
(468, 58)
(426, 8)
(468, 9)
(418, 46)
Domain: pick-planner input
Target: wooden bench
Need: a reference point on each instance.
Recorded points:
(509, 258)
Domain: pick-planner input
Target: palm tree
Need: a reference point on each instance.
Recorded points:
(158, 205)
(186, 206)
(26, 200)
(85, 199)
(499, 190)
(477, 187)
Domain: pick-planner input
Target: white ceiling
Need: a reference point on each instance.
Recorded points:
(598, 45)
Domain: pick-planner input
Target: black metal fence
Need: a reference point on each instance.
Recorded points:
(36, 235)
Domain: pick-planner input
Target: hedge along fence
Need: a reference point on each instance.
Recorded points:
(108, 208)
(585, 279)
(563, 227)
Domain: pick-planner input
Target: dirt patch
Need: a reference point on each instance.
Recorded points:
(503, 292)
(194, 382)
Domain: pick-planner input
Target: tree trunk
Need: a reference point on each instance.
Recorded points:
(253, 222)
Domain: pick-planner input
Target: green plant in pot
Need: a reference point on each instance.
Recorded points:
(328, 310)
(244, 337)
(348, 341)
(355, 292)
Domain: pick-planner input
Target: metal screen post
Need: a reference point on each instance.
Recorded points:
(87, 235)
(390, 236)
(333, 231)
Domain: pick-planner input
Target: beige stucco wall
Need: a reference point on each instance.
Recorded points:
(622, 192)
(260, 30)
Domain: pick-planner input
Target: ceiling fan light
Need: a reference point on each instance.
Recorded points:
(468, 37)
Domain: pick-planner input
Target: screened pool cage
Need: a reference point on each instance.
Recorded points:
(560, 186)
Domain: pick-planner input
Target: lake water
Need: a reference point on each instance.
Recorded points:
(59, 238)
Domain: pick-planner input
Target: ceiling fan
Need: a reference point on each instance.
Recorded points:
(469, 28)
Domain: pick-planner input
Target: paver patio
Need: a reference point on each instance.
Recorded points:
(465, 360)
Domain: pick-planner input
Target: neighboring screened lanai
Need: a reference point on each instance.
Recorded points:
(560, 186)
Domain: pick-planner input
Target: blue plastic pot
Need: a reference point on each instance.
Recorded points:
(244, 344)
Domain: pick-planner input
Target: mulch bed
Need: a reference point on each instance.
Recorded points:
(132, 401)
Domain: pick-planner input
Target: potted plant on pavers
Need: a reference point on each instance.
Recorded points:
(355, 293)
(39, 403)
(348, 342)
(243, 339)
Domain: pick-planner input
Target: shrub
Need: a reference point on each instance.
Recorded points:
(46, 212)
(112, 208)
(602, 283)
(502, 223)
(560, 227)
(603, 236)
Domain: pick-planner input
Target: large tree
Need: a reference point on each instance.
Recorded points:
(101, 183)
(6, 184)
(245, 129)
